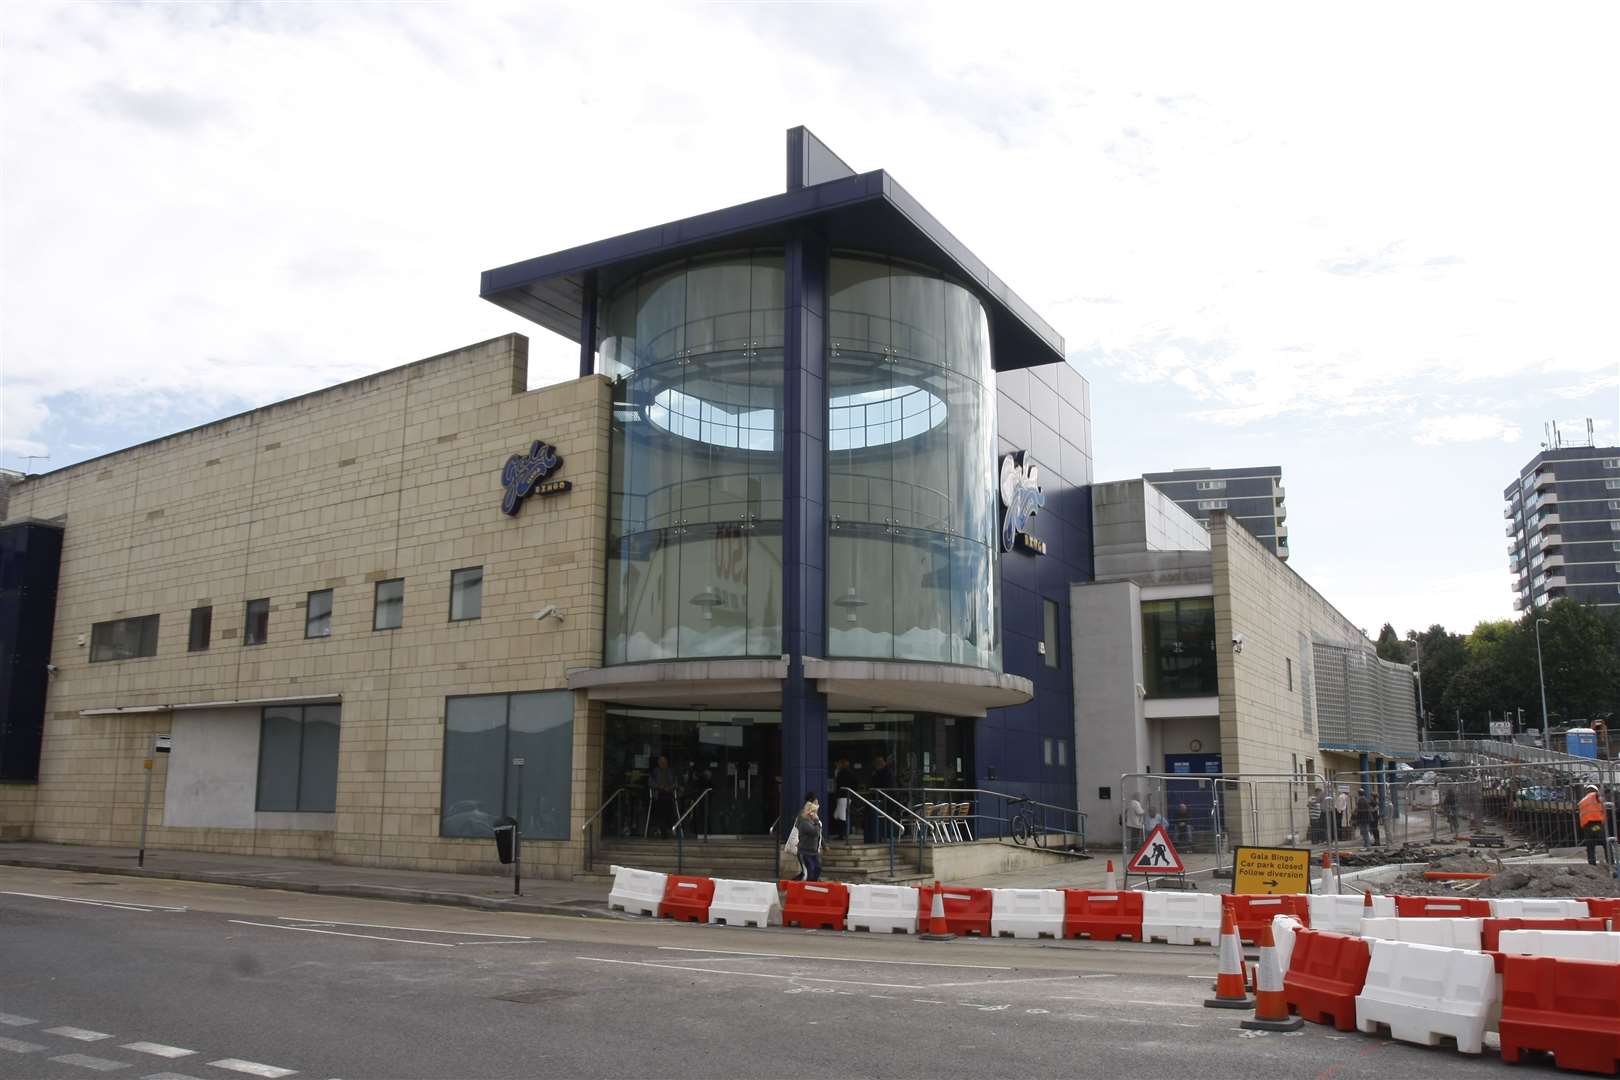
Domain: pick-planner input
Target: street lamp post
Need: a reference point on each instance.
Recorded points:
(1541, 676)
(1417, 669)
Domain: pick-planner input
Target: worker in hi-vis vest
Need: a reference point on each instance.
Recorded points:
(1590, 816)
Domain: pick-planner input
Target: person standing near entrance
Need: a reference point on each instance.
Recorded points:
(882, 780)
(809, 826)
(1591, 819)
(662, 782)
(1133, 823)
(844, 784)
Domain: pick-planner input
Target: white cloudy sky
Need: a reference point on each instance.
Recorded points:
(1372, 244)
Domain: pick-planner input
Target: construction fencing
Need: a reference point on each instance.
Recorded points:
(1212, 814)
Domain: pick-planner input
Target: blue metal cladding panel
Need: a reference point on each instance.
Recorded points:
(30, 561)
(1045, 412)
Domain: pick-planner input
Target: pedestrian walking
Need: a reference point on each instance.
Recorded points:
(1182, 819)
(809, 829)
(1341, 807)
(1592, 821)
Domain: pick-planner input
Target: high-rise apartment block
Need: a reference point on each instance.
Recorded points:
(1251, 496)
(1563, 527)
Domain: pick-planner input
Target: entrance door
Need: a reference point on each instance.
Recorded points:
(1188, 783)
(734, 757)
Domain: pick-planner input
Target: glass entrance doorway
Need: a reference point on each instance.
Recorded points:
(734, 756)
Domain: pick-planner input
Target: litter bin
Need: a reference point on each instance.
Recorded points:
(505, 838)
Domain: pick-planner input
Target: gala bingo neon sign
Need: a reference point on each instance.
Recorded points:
(1021, 496)
(525, 475)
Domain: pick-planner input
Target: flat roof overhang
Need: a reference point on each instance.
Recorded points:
(864, 212)
(850, 685)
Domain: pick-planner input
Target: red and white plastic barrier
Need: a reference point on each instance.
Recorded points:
(636, 892)
(1446, 933)
(1026, 913)
(745, 903)
(883, 909)
(1423, 992)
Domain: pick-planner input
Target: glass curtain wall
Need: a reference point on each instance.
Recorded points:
(695, 518)
(911, 468)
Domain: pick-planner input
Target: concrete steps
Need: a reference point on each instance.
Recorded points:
(753, 858)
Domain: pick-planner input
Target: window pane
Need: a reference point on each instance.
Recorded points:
(318, 614)
(256, 626)
(124, 639)
(279, 734)
(474, 764)
(389, 613)
(202, 624)
(543, 735)
(467, 593)
(1050, 610)
(1178, 644)
(317, 784)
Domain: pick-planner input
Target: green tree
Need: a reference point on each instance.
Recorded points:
(1391, 646)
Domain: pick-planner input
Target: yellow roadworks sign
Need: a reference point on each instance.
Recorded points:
(1271, 870)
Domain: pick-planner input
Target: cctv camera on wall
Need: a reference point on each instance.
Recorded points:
(550, 611)
(1237, 643)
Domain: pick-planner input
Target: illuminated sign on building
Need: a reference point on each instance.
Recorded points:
(525, 475)
(1021, 496)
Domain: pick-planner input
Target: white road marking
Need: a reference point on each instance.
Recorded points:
(523, 941)
(88, 1062)
(12, 1020)
(840, 959)
(81, 1034)
(158, 1049)
(17, 1046)
(252, 1068)
(1005, 982)
(1115, 976)
(340, 933)
(414, 929)
(168, 1076)
(928, 1001)
(93, 902)
(1170, 1004)
(752, 974)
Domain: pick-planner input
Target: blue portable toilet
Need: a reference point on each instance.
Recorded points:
(1580, 742)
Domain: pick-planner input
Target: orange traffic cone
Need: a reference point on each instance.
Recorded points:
(1230, 992)
(938, 928)
(1366, 905)
(1271, 1005)
(1110, 882)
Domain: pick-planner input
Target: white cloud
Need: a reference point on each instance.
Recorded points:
(1464, 428)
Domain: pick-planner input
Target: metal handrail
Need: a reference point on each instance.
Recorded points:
(680, 833)
(691, 806)
(921, 828)
(590, 837)
(929, 792)
(894, 838)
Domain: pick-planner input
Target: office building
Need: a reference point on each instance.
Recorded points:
(1563, 527)
(1253, 497)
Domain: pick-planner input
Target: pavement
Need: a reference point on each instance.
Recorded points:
(489, 892)
(177, 980)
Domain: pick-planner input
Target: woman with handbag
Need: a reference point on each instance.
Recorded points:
(808, 832)
(790, 853)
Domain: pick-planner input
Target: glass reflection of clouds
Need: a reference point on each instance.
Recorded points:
(854, 421)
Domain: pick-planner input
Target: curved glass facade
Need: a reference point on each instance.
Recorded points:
(911, 468)
(695, 512)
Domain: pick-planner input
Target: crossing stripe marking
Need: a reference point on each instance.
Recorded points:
(81, 1034)
(413, 929)
(168, 1076)
(93, 902)
(340, 933)
(13, 1020)
(17, 1046)
(88, 1062)
(252, 1068)
(753, 974)
(158, 1049)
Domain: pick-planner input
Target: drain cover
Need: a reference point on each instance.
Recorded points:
(537, 997)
